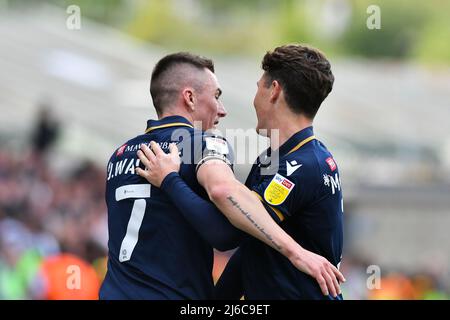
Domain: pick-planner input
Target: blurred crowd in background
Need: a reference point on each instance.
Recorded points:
(44, 215)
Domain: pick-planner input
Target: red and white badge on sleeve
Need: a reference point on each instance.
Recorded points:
(331, 163)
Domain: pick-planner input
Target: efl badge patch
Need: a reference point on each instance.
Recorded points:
(216, 144)
(331, 163)
(278, 190)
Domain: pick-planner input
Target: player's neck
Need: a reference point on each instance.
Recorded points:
(287, 124)
(180, 113)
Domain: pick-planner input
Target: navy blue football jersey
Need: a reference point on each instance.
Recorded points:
(154, 253)
(304, 195)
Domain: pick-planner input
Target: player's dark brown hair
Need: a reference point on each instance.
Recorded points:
(304, 74)
(169, 74)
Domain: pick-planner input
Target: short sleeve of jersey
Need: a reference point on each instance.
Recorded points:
(285, 195)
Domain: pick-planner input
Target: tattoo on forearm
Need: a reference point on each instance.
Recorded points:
(249, 217)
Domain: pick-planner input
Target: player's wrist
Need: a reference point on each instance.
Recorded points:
(296, 254)
(169, 179)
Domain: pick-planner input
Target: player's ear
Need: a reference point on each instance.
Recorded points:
(275, 91)
(189, 98)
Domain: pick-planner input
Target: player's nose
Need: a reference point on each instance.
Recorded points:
(221, 112)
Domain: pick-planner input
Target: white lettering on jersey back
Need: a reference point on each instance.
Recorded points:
(120, 165)
(130, 168)
(110, 170)
(136, 147)
(132, 148)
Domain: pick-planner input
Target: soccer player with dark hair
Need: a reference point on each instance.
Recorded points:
(304, 196)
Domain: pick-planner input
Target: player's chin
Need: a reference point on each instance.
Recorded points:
(261, 131)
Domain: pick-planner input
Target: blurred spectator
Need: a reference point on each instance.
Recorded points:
(42, 214)
(15, 240)
(395, 286)
(66, 277)
(355, 271)
(46, 129)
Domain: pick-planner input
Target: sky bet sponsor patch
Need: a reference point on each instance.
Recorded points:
(278, 190)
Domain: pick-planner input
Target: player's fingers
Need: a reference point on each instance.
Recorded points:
(156, 148)
(145, 161)
(173, 149)
(147, 153)
(329, 282)
(337, 287)
(144, 174)
(338, 274)
(323, 284)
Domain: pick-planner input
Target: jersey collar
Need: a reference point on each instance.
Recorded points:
(297, 141)
(171, 121)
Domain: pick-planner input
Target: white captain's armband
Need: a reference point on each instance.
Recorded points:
(216, 144)
(216, 148)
